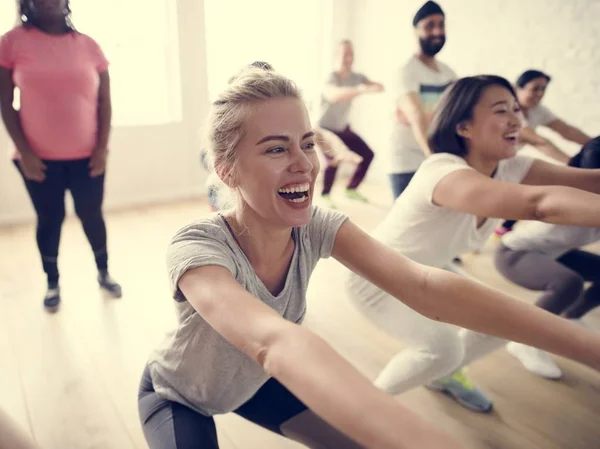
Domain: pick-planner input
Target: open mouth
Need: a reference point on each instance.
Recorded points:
(512, 138)
(295, 194)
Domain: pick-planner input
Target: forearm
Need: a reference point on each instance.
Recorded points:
(12, 437)
(471, 305)
(104, 124)
(549, 149)
(419, 126)
(338, 393)
(576, 135)
(567, 205)
(15, 131)
(342, 94)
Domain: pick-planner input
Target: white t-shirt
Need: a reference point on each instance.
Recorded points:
(405, 153)
(539, 116)
(434, 235)
(551, 239)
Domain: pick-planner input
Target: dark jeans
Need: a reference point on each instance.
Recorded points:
(355, 144)
(400, 182)
(562, 279)
(48, 198)
(170, 425)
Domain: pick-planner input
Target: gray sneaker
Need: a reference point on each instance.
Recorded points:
(459, 387)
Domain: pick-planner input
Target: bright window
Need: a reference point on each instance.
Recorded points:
(140, 39)
(287, 34)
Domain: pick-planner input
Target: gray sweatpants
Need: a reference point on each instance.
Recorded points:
(562, 280)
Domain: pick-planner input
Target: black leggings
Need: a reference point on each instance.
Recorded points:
(170, 425)
(48, 198)
(562, 279)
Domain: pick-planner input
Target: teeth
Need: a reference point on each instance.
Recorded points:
(299, 200)
(296, 189)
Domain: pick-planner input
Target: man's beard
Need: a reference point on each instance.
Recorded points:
(431, 48)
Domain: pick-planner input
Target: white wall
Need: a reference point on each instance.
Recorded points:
(503, 37)
(161, 163)
(146, 164)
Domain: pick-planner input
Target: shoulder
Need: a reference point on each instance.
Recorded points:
(435, 168)
(438, 160)
(322, 217)
(87, 40)
(16, 33)
(446, 68)
(409, 66)
(212, 228)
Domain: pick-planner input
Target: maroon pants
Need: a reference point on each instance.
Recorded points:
(356, 145)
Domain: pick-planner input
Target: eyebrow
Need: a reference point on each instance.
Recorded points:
(504, 102)
(284, 138)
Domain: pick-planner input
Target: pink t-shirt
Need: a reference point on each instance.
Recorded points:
(58, 80)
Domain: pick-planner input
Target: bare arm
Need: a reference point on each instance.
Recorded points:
(12, 436)
(443, 296)
(306, 365)
(411, 108)
(543, 145)
(97, 163)
(543, 173)
(377, 87)
(9, 115)
(104, 110)
(470, 191)
(32, 166)
(341, 94)
(569, 132)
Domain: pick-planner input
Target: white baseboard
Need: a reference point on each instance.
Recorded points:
(143, 198)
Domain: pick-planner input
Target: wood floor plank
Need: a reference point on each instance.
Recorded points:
(72, 378)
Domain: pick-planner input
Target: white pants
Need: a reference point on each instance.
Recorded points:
(434, 349)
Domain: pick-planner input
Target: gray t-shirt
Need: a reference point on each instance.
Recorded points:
(334, 116)
(195, 365)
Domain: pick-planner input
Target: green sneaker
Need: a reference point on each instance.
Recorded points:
(328, 201)
(460, 388)
(355, 195)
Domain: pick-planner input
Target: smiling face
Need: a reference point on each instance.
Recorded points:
(345, 56)
(494, 128)
(532, 93)
(431, 32)
(276, 162)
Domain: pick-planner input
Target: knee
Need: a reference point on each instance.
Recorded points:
(368, 156)
(445, 353)
(569, 284)
(88, 214)
(51, 219)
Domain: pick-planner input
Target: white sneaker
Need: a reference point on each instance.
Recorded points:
(535, 360)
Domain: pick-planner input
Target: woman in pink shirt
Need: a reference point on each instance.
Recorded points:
(61, 130)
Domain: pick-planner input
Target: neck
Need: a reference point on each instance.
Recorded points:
(482, 164)
(53, 26)
(260, 240)
(426, 59)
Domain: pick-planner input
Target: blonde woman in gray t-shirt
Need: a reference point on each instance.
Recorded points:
(239, 279)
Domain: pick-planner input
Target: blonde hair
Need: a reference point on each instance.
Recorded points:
(228, 115)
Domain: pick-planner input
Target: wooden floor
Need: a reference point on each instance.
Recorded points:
(71, 378)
